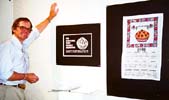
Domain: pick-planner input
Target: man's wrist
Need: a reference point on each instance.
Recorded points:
(25, 76)
(48, 19)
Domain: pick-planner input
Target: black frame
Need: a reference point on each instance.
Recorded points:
(79, 30)
(142, 89)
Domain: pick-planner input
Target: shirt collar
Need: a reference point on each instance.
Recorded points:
(16, 42)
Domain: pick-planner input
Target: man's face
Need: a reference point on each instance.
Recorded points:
(22, 31)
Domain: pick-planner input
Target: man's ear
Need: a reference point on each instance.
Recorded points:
(13, 31)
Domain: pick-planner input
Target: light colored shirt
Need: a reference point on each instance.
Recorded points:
(14, 57)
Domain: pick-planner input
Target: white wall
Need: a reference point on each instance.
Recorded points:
(84, 12)
(92, 80)
(6, 17)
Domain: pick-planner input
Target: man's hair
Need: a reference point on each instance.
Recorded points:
(16, 22)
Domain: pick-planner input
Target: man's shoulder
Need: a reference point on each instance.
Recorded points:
(5, 46)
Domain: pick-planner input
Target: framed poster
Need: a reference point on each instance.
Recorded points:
(78, 45)
(137, 50)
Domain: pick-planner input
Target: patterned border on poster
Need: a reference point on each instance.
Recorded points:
(142, 44)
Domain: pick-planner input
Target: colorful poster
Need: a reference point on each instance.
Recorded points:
(142, 47)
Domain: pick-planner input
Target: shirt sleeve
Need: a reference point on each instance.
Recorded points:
(33, 36)
(5, 64)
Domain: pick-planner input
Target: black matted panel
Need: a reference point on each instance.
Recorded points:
(78, 45)
(145, 89)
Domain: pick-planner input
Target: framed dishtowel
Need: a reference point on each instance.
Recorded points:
(78, 44)
(137, 50)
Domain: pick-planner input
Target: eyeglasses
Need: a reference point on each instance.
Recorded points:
(25, 28)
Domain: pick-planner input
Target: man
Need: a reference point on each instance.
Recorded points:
(14, 61)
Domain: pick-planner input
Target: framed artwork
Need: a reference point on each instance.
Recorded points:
(78, 44)
(137, 50)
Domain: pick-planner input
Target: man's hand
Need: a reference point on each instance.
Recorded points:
(53, 11)
(31, 77)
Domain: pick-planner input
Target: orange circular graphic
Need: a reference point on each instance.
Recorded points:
(142, 35)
